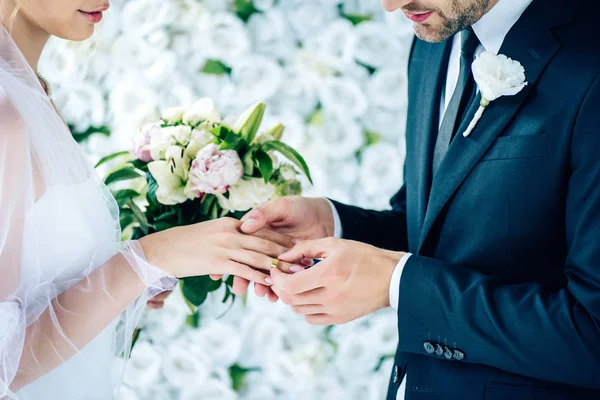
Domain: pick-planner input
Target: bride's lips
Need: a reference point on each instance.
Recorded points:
(93, 16)
(418, 17)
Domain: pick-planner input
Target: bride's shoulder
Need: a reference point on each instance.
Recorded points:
(10, 118)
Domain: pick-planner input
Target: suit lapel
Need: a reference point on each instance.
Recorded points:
(532, 44)
(432, 68)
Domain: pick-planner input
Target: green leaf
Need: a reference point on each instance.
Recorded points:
(126, 218)
(207, 202)
(264, 164)
(196, 289)
(139, 216)
(232, 141)
(152, 188)
(372, 138)
(238, 375)
(111, 157)
(193, 320)
(92, 130)
(122, 174)
(216, 67)
(358, 18)
(141, 165)
(123, 196)
(290, 154)
(170, 213)
(244, 9)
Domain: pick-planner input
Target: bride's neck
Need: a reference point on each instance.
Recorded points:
(29, 38)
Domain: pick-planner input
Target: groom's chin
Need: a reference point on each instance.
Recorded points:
(432, 33)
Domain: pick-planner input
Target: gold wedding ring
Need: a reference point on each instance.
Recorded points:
(275, 263)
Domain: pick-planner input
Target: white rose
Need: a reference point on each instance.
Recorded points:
(126, 393)
(387, 88)
(263, 5)
(375, 45)
(323, 387)
(339, 132)
(344, 96)
(255, 327)
(498, 75)
(143, 368)
(297, 93)
(224, 38)
(308, 17)
(390, 124)
(202, 110)
(142, 17)
(60, 62)
(182, 368)
(200, 138)
(208, 389)
(365, 389)
(381, 170)
(173, 114)
(247, 194)
(271, 35)
(402, 28)
(355, 355)
(82, 105)
(222, 343)
(132, 104)
(257, 78)
(336, 45)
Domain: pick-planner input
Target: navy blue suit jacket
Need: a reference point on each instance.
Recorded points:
(506, 236)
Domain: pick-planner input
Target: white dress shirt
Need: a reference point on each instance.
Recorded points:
(491, 30)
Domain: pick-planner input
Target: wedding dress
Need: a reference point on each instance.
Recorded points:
(63, 333)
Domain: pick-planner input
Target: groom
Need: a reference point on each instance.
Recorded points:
(491, 251)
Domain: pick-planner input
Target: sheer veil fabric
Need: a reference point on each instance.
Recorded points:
(65, 326)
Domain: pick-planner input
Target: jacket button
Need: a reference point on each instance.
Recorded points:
(428, 348)
(458, 355)
(448, 353)
(396, 375)
(439, 350)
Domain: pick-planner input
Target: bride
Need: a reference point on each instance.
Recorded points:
(70, 292)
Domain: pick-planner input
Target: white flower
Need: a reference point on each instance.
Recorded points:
(202, 110)
(389, 124)
(344, 96)
(387, 88)
(355, 355)
(365, 389)
(496, 76)
(336, 45)
(297, 93)
(222, 343)
(126, 393)
(162, 139)
(247, 194)
(257, 78)
(271, 35)
(171, 175)
(200, 138)
(143, 368)
(381, 170)
(142, 17)
(182, 368)
(208, 389)
(308, 17)
(213, 171)
(263, 5)
(224, 38)
(255, 349)
(81, 105)
(173, 114)
(375, 45)
(140, 147)
(337, 131)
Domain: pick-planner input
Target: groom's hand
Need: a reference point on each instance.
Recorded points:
(352, 281)
(300, 217)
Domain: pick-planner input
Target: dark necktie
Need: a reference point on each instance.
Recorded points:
(461, 95)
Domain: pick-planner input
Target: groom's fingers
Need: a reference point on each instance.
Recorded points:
(264, 215)
(309, 249)
(240, 285)
(300, 282)
(281, 239)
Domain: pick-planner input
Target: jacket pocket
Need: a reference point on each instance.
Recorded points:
(518, 147)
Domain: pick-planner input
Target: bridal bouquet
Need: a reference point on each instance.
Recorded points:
(193, 166)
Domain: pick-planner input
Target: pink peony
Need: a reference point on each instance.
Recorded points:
(214, 170)
(140, 148)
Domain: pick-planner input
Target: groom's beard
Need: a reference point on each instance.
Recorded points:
(456, 16)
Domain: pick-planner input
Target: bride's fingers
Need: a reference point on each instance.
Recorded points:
(280, 238)
(263, 246)
(273, 298)
(263, 262)
(240, 285)
(260, 290)
(247, 273)
(216, 277)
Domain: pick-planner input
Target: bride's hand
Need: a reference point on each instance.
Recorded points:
(214, 247)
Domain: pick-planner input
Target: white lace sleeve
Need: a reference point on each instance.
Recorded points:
(70, 292)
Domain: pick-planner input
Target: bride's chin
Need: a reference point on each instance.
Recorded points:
(76, 34)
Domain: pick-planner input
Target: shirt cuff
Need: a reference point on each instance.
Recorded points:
(337, 232)
(395, 283)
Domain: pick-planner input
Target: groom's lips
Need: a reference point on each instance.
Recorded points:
(418, 17)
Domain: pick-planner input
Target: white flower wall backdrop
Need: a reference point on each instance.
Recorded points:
(334, 72)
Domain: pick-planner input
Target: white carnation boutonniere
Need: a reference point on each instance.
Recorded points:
(496, 76)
